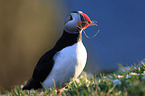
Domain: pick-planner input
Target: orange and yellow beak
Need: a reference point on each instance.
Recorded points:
(85, 20)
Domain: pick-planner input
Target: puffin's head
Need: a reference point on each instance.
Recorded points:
(76, 21)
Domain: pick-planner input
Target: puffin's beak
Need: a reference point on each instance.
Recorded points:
(85, 20)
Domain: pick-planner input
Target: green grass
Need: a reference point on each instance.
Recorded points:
(126, 83)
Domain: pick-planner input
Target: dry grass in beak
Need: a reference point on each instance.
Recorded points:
(87, 24)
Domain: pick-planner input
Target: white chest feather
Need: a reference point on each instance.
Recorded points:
(69, 63)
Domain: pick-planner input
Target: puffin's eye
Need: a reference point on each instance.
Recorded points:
(68, 18)
(71, 18)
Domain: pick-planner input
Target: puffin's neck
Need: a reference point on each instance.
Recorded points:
(68, 39)
(72, 36)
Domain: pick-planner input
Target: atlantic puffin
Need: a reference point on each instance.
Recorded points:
(66, 60)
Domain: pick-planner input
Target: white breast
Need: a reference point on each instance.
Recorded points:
(69, 63)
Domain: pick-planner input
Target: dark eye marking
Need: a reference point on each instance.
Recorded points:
(71, 18)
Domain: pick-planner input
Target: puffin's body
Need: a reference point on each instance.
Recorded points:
(65, 61)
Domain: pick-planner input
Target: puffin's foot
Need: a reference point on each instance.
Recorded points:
(59, 92)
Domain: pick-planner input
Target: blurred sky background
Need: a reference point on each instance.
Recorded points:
(29, 28)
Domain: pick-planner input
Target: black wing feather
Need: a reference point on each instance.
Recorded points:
(44, 66)
(41, 71)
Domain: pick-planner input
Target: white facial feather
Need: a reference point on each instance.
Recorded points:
(72, 25)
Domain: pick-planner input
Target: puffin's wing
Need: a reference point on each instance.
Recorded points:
(44, 66)
(41, 71)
